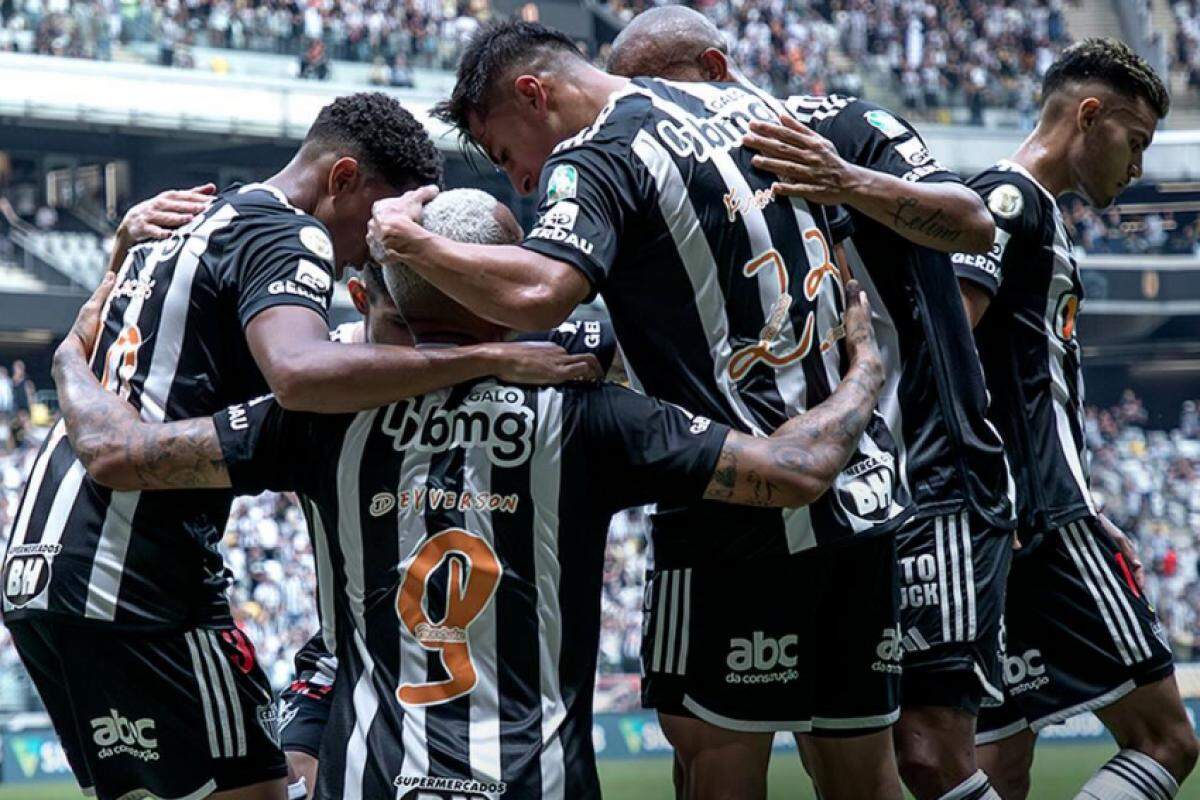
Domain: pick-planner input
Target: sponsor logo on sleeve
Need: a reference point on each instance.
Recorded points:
(1006, 201)
(311, 282)
(313, 276)
(886, 124)
(914, 152)
(563, 183)
(562, 214)
(317, 241)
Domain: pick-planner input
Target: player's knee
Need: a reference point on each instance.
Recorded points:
(1008, 769)
(928, 771)
(1175, 748)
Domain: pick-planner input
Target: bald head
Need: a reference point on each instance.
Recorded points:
(668, 42)
(462, 215)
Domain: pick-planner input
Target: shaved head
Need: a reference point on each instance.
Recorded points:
(463, 215)
(666, 42)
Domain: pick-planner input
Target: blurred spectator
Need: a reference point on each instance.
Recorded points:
(400, 76)
(314, 64)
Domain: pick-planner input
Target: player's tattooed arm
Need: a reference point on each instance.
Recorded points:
(943, 216)
(801, 460)
(116, 447)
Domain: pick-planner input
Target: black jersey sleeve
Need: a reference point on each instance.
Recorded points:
(647, 450)
(1016, 207)
(841, 225)
(581, 336)
(868, 135)
(588, 196)
(269, 448)
(283, 259)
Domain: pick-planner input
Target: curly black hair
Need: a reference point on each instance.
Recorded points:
(489, 57)
(1112, 63)
(385, 138)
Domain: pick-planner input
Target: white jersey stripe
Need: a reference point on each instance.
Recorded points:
(484, 725)
(60, 510)
(239, 722)
(1134, 623)
(545, 476)
(35, 485)
(210, 725)
(698, 261)
(411, 531)
(366, 707)
(326, 588)
(1068, 534)
(108, 565)
(350, 538)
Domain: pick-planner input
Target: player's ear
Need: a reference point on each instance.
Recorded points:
(715, 65)
(358, 295)
(1088, 112)
(530, 92)
(344, 176)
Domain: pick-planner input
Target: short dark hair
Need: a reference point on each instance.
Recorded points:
(382, 135)
(1112, 63)
(490, 55)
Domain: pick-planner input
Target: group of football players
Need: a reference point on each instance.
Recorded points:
(858, 409)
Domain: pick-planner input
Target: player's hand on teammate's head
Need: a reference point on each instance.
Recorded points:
(396, 223)
(806, 163)
(166, 211)
(860, 335)
(541, 363)
(86, 328)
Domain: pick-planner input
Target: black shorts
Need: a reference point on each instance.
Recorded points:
(953, 574)
(1080, 634)
(178, 715)
(303, 715)
(808, 643)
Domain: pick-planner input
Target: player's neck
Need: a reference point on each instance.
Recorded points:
(589, 92)
(299, 183)
(1044, 156)
(445, 333)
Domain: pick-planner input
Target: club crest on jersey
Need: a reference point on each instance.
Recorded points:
(885, 123)
(1006, 201)
(503, 429)
(27, 572)
(563, 183)
(317, 241)
(268, 719)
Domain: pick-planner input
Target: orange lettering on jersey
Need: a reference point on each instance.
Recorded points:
(1068, 310)
(120, 362)
(474, 574)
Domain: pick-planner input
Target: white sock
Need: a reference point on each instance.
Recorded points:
(975, 787)
(298, 790)
(1130, 775)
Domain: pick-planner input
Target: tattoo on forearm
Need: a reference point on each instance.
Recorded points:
(177, 455)
(909, 215)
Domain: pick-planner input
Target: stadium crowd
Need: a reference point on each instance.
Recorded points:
(938, 53)
(1147, 480)
(1186, 53)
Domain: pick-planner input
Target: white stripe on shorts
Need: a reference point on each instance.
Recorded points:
(202, 689)
(943, 587)
(1074, 549)
(1142, 645)
(239, 722)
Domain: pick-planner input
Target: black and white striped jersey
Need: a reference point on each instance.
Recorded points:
(935, 400)
(460, 550)
(1028, 342)
(725, 300)
(173, 346)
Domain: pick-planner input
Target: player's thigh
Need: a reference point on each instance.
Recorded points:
(173, 715)
(855, 766)
(275, 789)
(1152, 720)
(716, 763)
